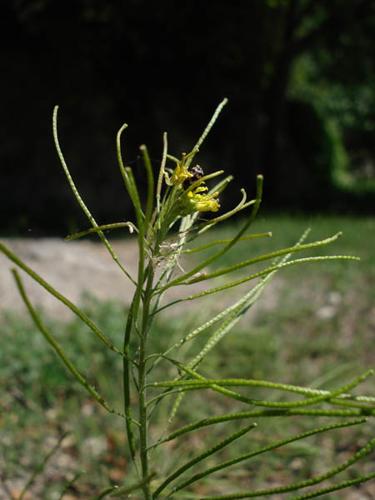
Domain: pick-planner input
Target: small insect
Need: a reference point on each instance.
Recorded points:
(197, 173)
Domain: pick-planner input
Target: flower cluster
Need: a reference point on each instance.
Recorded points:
(202, 202)
(194, 198)
(180, 174)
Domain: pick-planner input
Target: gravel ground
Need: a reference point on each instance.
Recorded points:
(71, 267)
(76, 267)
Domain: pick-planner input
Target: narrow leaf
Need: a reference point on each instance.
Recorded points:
(150, 183)
(336, 487)
(161, 171)
(265, 272)
(366, 450)
(105, 227)
(79, 199)
(217, 386)
(265, 449)
(125, 490)
(206, 131)
(262, 258)
(205, 422)
(343, 399)
(202, 456)
(76, 310)
(225, 241)
(58, 348)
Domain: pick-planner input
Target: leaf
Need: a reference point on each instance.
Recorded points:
(76, 310)
(105, 227)
(58, 348)
(125, 490)
(262, 258)
(265, 272)
(202, 456)
(205, 422)
(265, 449)
(217, 385)
(366, 450)
(79, 199)
(225, 241)
(336, 487)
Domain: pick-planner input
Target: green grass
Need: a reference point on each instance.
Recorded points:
(319, 331)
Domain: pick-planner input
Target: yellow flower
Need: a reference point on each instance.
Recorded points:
(180, 174)
(203, 202)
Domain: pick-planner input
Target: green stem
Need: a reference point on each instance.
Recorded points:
(142, 382)
(134, 308)
(126, 380)
(143, 418)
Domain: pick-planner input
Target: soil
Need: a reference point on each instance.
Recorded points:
(76, 268)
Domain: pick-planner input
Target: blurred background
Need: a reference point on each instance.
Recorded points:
(300, 78)
(299, 75)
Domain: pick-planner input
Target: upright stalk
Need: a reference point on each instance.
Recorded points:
(126, 380)
(130, 323)
(142, 406)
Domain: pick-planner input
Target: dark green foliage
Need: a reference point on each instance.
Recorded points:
(150, 62)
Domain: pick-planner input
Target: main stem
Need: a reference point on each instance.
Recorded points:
(142, 407)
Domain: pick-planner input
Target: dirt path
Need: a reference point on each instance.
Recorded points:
(77, 267)
(71, 267)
